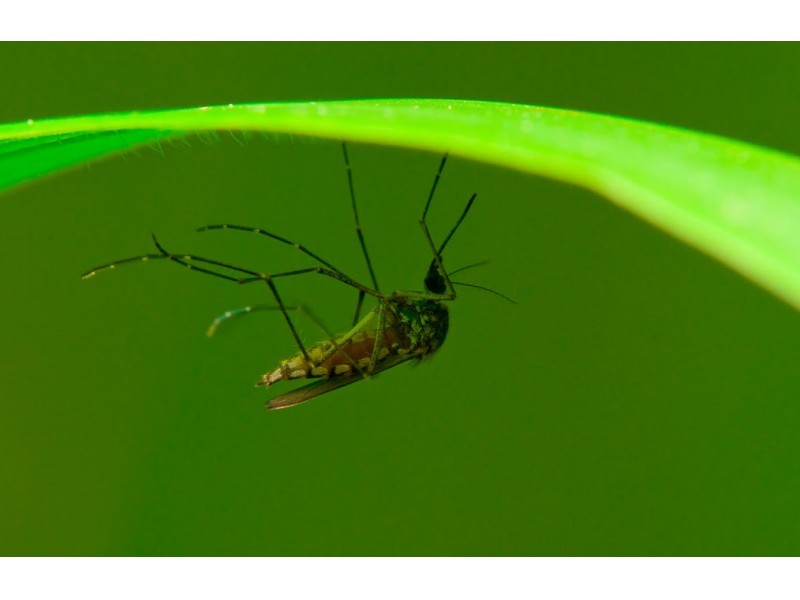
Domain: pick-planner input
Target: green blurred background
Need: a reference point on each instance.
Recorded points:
(639, 399)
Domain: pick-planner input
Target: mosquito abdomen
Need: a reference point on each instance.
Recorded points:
(353, 355)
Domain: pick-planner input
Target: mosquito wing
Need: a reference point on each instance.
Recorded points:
(323, 386)
(312, 390)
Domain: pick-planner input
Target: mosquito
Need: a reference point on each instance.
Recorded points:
(403, 326)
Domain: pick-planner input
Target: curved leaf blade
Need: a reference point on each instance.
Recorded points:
(738, 202)
(27, 159)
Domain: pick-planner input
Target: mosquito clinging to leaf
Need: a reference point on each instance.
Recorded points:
(403, 326)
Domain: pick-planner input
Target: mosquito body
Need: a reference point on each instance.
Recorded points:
(404, 326)
(398, 330)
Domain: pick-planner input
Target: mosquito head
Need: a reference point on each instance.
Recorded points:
(434, 281)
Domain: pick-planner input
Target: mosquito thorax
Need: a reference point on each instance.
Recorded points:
(423, 322)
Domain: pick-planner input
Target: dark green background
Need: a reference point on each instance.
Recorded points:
(640, 398)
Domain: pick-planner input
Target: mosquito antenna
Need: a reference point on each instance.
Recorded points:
(485, 289)
(472, 266)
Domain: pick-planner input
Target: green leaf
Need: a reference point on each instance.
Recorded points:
(738, 202)
(25, 159)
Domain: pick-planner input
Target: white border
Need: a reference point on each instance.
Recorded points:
(402, 579)
(363, 20)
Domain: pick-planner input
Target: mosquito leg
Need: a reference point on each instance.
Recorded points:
(377, 346)
(245, 310)
(278, 238)
(341, 275)
(320, 271)
(336, 345)
(437, 259)
(308, 252)
(180, 259)
(190, 261)
(359, 233)
(239, 312)
(359, 303)
(187, 260)
(437, 254)
(433, 187)
(115, 264)
(457, 225)
(268, 280)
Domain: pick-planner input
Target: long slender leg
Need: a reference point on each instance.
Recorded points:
(433, 187)
(246, 310)
(376, 348)
(437, 254)
(456, 226)
(319, 270)
(186, 260)
(180, 259)
(189, 261)
(303, 249)
(278, 238)
(335, 345)
(359, 232)
(450, 293)
(238, 312)
(359, 304)
(307, 252)
(437, 259)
